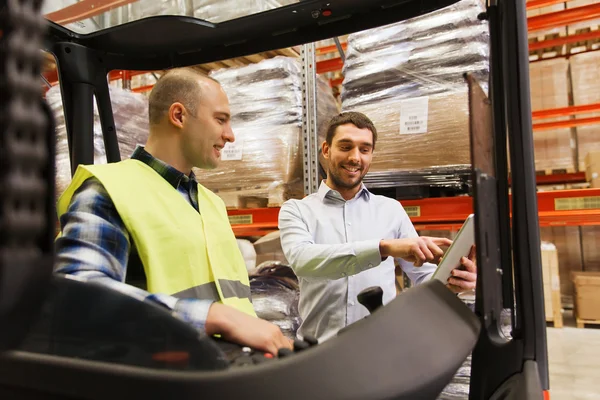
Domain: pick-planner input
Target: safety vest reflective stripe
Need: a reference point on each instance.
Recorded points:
(209, 290)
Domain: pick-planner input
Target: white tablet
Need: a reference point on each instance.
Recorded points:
(460, 247)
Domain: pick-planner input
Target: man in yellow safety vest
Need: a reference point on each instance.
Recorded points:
(150, 210)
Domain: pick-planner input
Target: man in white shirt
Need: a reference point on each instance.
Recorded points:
(344, 239)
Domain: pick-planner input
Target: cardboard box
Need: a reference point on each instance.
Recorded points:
(586, 90)
(592, 168)
(587, 295)
(551, 280)
(268, 248)
(549, 89)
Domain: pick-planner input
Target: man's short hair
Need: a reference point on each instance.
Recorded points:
(361, 121)
(177, 85)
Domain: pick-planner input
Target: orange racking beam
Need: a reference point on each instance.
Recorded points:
(564, 17)
(556, 179)
(336, 82)
(546, 126)
(333, 64)
(450, 212)
(565, 111)
(582, 37)
(329, 49)
(530, 5)
(142, 89)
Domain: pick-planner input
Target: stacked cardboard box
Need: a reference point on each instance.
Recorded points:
(551, 279)
(576, 252)
(265, 161)
(586, 90)
(592, 168)
(408, 78)
(566, 240)
(546, 33)
(130, 112)
(587, 300)
(548, 83)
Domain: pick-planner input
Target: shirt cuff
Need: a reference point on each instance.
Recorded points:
(367, 254)
(193, 311)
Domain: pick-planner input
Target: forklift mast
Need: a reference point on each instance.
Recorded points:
(508, 254)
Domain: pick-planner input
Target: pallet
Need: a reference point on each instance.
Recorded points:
(556, 323)
(558, 171)
(556, 318)
(582, 322)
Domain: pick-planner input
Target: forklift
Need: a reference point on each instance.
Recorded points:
(57, 341)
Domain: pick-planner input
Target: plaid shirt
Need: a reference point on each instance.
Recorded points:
(95, 245)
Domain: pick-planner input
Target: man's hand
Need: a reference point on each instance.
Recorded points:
(417, 250)
(464, 278)
(241, 328)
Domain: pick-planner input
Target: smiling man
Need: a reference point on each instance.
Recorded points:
(344, 239)
(149, 214)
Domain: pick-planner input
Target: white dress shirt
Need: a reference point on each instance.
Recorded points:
(333, 247)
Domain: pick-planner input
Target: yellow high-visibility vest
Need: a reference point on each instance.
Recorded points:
(185, 254)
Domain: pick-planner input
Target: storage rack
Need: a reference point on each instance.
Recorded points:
(445, 213)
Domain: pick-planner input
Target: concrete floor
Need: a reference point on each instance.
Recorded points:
(574, 362)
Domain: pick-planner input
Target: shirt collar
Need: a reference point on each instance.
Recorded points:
(326, 191)
(169, 173)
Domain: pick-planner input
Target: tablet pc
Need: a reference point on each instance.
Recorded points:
(460, 247)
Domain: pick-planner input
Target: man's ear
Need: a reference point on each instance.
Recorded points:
(176, 114)
(325, 150)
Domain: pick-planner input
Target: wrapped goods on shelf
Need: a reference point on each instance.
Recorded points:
(130, 112)
(224, 10)
(209, 10)
(408, 78)
(549, 89)
(147, 8)
(265, 161)
(586, 90)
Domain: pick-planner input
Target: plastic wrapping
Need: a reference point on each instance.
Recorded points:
(247, 249)
(548, 83)
(417, 57)
(266, 107)
(147, 8)
(422, 59)
(275, 294)
(130, 112)
(445, 143)
(225, 10)
(586, 90)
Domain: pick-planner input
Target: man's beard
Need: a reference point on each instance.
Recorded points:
(341, 184)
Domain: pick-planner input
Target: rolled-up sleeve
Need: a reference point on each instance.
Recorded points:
(417, 275)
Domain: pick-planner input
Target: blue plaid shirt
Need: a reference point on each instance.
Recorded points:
(95, 245)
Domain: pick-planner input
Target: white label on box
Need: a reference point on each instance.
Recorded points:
(555, 283)
(413, 115)
(232, 151)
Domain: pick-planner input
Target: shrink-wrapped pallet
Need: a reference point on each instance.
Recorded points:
(130, 112)
(264, 164)
(408, 78)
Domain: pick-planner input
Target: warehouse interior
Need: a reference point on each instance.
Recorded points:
(282, 100)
